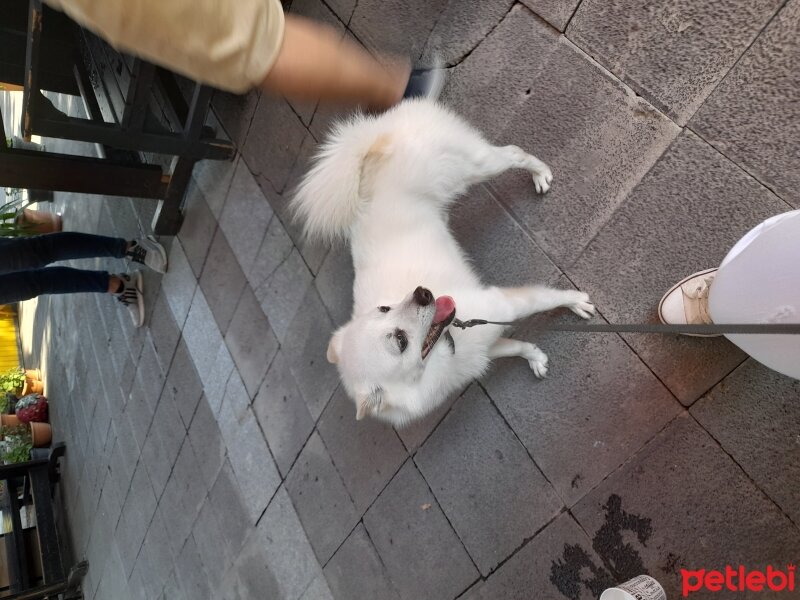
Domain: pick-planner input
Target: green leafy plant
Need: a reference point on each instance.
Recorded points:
(12, 380)
(10, 211)
(7, 401)
(17, 444)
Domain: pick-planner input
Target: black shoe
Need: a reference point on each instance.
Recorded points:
(425, 83)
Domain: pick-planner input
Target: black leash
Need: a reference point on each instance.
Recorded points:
(750, 328)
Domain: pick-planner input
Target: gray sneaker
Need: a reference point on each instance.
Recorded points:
(147, 251)
(131, 296)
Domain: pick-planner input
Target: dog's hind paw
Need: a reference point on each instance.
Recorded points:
(538, 363)
(542, 179)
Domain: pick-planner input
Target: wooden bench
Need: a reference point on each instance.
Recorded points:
(136, 111)
(35, 480)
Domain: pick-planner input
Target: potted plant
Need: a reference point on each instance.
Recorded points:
(41, 434)
(17, 444)
(31, 408)
(12, 381)
(17, 219)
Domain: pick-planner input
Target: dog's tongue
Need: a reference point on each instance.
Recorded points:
(445, 305)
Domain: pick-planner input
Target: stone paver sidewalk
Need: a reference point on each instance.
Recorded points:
(212, 454)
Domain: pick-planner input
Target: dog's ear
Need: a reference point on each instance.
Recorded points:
(335, 347)
(368, 403)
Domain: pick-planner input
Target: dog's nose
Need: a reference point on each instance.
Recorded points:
(423, 296)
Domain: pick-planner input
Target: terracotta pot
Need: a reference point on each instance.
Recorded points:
(32, 386)
(33, 374)
(41, 221)
(9, 420)
(41, 434)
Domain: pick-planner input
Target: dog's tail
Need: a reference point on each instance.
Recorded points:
(327, 199)
(330, 195)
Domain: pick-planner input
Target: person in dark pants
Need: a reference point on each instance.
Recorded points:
(24, 273)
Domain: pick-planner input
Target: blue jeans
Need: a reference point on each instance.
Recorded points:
(22, 262)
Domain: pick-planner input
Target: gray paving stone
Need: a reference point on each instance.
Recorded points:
(208, 535)
(125, 455)
(222, 281)
(598, 143)
(334, 282)
(607, 408)
(366, 453)
(207, 349)
(182, 498)
(305, 347)
(251, 342)
(139, 413)
(149, 377)
(217, 379)
(248, 452)
(158, 468)
(753, 116)
(683, 503)
(343, 9)
(282, 414)
(323, 505)
(277, 561)
(179, 284)
(317, 590)
(273, 142)
(412, 535)
(190, 571)
(490, 236)
(491, 491)
(675, 53)
(755, 415)
(172, 589)
(164, 442)
(356, 572)
(184, 383)
(102, 529)
(137, 512)
(164, 332)
(159, 561)
(394, 26)
(274, 250)
(246, 216)
(235, 112)
(113, 582)
(414, 434)
(558, 563)
(281, 294)
(207, 443)
(461, 27)
(683, 217)
(197, 231)
(231, 513)
(556, 12)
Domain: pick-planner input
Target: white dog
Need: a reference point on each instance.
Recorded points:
(385, 183)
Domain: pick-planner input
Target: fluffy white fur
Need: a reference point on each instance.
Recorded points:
(385, 183)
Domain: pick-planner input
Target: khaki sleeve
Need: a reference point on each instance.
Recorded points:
(229, 44)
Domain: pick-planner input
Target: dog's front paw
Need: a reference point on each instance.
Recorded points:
(537, 361)
(542, 178)
(582, 306)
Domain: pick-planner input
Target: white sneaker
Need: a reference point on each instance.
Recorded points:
(686, 303)
(147, 251)
(132, 297)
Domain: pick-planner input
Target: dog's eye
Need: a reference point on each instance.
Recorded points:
(402, 339)
(384, 308)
